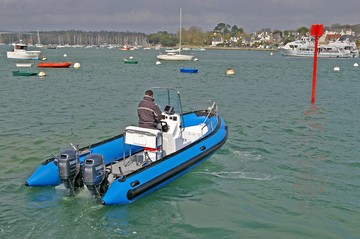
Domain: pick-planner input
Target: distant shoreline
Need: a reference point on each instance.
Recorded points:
(240, 48)
(231, 48)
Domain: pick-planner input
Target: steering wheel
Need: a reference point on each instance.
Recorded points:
(164, 126)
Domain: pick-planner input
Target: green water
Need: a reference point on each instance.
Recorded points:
(288, 169)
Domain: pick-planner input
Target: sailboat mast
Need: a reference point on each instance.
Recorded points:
(38, 37)
(180, 32)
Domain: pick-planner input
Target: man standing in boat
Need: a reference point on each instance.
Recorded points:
(148, 112)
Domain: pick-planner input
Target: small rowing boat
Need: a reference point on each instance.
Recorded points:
(188, 70)
(24, 64)
(130, 61)
(24, 73)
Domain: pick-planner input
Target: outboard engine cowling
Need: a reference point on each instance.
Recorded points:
(94, 174)
(69, 169)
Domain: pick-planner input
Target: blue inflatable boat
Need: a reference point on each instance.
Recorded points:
(126, 167)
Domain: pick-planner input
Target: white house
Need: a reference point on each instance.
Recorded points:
(217, 41)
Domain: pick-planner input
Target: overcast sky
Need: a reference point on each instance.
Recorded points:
(151, 16)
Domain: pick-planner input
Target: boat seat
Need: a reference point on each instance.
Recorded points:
(195, 132)
(150, 138)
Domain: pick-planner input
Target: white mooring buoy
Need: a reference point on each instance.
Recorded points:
(77, 65)
(356, 64)
(158, 63)
(65, 55)
(336, 68)
(42, 74)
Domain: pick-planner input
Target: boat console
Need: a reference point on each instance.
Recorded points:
(150, 139)
(172, 137)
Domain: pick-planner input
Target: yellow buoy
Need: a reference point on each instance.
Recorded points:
(230, 71)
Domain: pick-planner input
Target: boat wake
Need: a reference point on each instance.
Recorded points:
(247, 155)
(240, 175)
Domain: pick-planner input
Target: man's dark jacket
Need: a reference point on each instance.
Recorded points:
(148, 112)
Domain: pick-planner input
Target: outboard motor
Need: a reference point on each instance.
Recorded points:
(69, 170)
(95, 175)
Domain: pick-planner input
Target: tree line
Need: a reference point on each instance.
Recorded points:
(195, 35)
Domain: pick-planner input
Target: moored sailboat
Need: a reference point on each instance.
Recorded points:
(176, 55)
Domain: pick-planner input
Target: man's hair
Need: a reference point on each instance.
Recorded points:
(149, 93)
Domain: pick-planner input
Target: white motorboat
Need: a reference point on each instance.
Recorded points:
(172, 50)
(305, 48)
(20, 52)
(175, 56)
(347, 45)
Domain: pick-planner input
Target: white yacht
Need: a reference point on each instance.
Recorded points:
(305, 48)
(347, 44)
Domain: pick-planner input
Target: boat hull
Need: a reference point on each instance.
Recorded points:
(23, 55)
(175, 57)
(168, 169)
(294, 53)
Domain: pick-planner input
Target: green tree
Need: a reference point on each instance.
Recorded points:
(278, 32)
(168, 40)
(163, 38)
(222, 28)
(303, 31)
(236, 31)
(154, 38)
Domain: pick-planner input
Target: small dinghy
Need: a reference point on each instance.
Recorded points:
(129, 166)
(130, 61)
(23, 73)
(20, 64)
(188, 70)
(54, 64)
